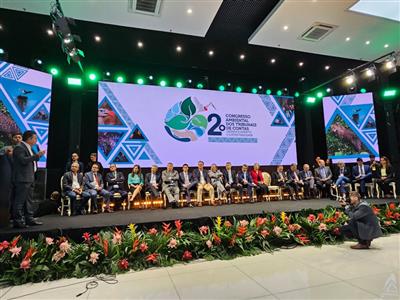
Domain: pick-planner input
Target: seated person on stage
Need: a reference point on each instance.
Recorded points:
(153, 182)
(294, 180)
(258, 180)
(187, 183)
(170, 179)
(363, 224)
(74, 158)
(342, 176)
(203, 183)
(135, 182)
(115, 182)
(362, 175)
(94, 185)
(385, 176)
(230, 180)
(245, 182)
(308, 180)
(323, 178)
(279, 178)
(374, 166)
(93, 159)
(72, 187)
(217, 181)
(316, 163)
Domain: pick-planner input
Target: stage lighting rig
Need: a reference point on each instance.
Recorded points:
(61, 27)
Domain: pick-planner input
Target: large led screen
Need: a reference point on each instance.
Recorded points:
(350, 127)
(148, 125)
(25, 97)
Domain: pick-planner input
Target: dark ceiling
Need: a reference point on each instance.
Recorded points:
(24, 37)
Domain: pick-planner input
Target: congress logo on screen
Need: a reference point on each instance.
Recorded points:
(185, 121)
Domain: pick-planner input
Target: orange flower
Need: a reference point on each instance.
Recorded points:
(31, 251)
(392, 206)
(166, 228)
(178, 225)
(241, 230)
(105, 247)
(14, 241)
(273, 219)
(376, 210)
(389, 214)
(260, 221)
(217, 239)
(135, 245)
(233, 240)
(320, 217)
(152, 257)
(227, 224)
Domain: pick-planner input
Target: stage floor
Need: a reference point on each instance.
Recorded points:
(63, 225)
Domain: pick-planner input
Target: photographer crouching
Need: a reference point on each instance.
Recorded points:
(363, 224)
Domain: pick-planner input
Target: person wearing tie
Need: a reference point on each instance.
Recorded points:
(203, 183)
(23, 176)
(294, 180)
(187, 183)
(115, 183)
(362, 174)
(230, 180)
(308, 180)
(217, 181)
(245, 182)
(94, 185)
(152, 182)
(342, 175)
(170, 179)
(323, 176)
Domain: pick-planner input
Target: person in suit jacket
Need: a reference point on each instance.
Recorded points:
(72, 187)
(230, 180)
(217, 181)
(203, 183)
(115, 183)
(74, 158)
(187, 182)
(24, 168)
(245, 182)
(361, 174)
(170, 186)
(294, 180)
(323, 177)
(385, 176)
(152, 182)
(92, 160)
(280, 179)
(374, 166)
(258, 180)
(342, 176)
(308, 179)
(94, 185)
(363, 224)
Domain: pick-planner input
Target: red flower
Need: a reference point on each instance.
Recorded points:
(338, 214)
(320, 217)
(388, 223)
(376, 210)
(166, 228)
(14, 242)
(187, 255)
(135, 245)
(123, 264)
(273, 219)
(153, 231)
(241, 230)
(152, 257)
(260, 221)
(396, 216)
(389, 214)
(311, 218)
(29, 253)
(96, 237)
(392, 206)
(86, 236)
(105, 247)
(216, 239)
(303, 238)
(25, 264)
(336, 231)
(233, 240)
(143, 247)
(4, 245)
(203, 230)
(227, 224)
(264, 233)
(178, 225)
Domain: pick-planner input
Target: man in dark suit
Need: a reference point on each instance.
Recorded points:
(245, 182)
(361, 174)
(24, 168)
(115, 183)
(187, 182)
(152, 182)
(93, 160)
(308, 179)
(74, 158)
(94, 185)
(230, 180)
(200, 175)
(323, 177)
(72, 187)
(363, 224)
(294, 180)
(279, 178)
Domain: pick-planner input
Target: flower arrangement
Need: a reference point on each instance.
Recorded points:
(116, 251)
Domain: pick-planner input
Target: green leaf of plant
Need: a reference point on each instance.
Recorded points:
(178, 122)
(187, 107)
(200, 121)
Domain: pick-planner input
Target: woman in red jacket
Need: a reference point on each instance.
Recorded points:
(258, 181)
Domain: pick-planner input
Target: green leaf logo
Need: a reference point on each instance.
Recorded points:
(200, 121)
(178, 122)
(188, 108)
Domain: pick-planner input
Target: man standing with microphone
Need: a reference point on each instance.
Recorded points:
(25, 166)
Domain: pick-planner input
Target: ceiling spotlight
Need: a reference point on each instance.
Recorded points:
(229, 84)
(347, 39)
(2, 51)
(302, 79)
(350, 79)
(178, 48)
(97, 38)
(140, 44)
(190, 80)
(242, 56)
(390, 64)
(328, 90)
(189, 11)
(1, 27)
(285, 27)
(273, 60)
(151, 77)
(108, 74)
(367, 42)
(211, 53)
(39, 61)
(259, 87)
(50, 32)
(301, 64)
(327, 67)
(386, 46)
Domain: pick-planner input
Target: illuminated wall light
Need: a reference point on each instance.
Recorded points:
(120, 79)
(92, 76)
(273, 60)
(328, 90)
(279, 93)
(221, 88)
(238, 89)
(140, 81)
(74, 81)
(163, 83)
(242, 56)
(50, 32)
(301, 64)
(363, 90)
(97, 38)
(390, 64)
(268, 92)
(327, 68)
(350, 79)
(200, 86)
(320, 94)
(211, 53)
(296, 94)
(254, 90)
(310, 99)
(179, 84)
(389, 93)
(369, 73)
(54, 71)
(178, 48)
